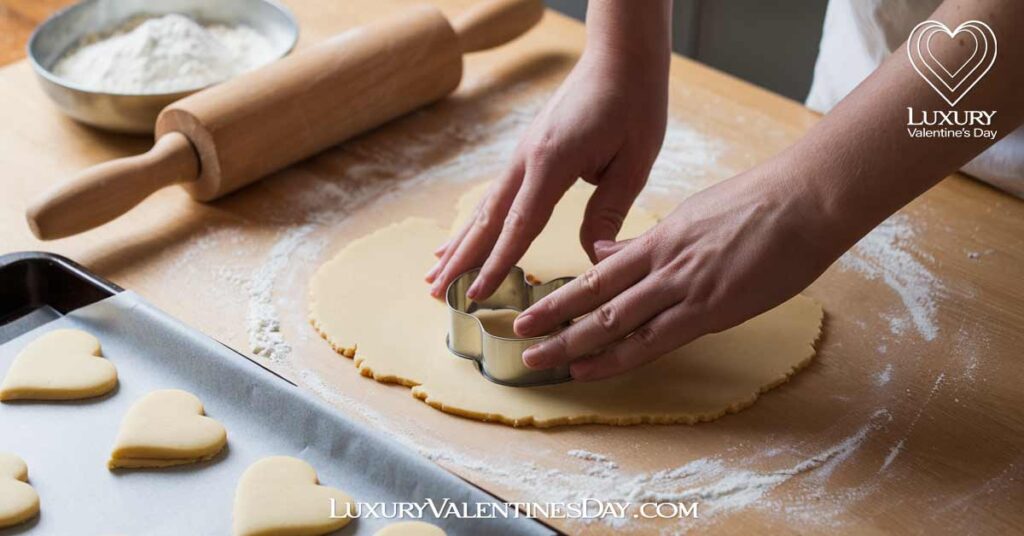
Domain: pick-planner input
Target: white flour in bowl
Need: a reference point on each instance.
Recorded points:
(166, 54)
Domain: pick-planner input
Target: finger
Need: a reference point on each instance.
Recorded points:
(498, 188)
(584, 294)
(441, 249)
(451, 247)
(453, 243)
(606, 248)
(610, 322)
(542, 187)
(607, 208)
(666, 332)
(480, 237)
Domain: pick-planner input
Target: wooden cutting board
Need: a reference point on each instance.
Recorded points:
(909, 420)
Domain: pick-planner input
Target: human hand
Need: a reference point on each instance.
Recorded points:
(605, 124)
(724, 255)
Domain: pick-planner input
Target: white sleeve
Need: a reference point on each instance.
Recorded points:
(857, 36)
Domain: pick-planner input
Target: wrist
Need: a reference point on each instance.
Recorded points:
(807, 207)
(620, 33)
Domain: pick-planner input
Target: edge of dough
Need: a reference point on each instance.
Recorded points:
(736, 407)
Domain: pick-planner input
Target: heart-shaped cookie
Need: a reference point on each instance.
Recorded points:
(18, 501)
(166, 428)
(411, 528)
(281, 495)
(64, 364)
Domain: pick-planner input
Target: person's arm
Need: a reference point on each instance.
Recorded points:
(605, 124)
(749, 243)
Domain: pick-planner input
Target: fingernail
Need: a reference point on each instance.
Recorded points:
(474, 289)
(435, 290)
(603, 244)
(533, 358)
(524, 324)
(432, 273)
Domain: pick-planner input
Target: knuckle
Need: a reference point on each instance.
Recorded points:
(605, 222)
(649, 242)
(547, 308)
(590, 282)
(486, 217)
(645, 337)
(607, 317)
(611, 217)
(558, 343)
(541, 148)
(677, 265)
(701, 291)
(515, 221)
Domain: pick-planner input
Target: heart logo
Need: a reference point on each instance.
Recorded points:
(166, 428)
(282, 495)
(65, 364)
(18, 501)
(952, 83)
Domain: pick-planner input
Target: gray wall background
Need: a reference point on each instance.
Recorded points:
(771, 43)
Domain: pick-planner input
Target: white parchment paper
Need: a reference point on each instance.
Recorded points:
(66, 444)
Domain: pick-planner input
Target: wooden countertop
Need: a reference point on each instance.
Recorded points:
(911, 418)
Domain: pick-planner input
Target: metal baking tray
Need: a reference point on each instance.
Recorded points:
(66, 444)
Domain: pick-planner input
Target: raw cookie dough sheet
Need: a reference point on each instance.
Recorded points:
(66, 444)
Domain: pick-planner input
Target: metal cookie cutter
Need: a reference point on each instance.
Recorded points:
(499, 359)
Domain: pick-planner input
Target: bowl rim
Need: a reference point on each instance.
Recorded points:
(64, 83)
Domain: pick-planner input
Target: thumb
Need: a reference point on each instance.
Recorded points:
(608, 207)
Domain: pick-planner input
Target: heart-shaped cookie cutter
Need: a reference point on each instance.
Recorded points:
(499, 359)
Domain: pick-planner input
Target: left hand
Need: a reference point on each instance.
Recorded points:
(724, 255)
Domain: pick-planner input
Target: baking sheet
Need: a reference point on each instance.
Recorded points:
(66, 444)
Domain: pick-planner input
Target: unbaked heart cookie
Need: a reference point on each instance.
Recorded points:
(64, 364)
(166, 428)
(18, 501)
(281, 495)
(411, 528)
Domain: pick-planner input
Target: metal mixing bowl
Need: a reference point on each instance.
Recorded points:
(136, 113)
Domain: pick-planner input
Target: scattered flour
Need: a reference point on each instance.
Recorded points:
(895, 450)
(884, 376)
(264, 324)
(975, 255)
(314, 382)
(718, 486)
(897, 325)
(687, 163)
(893, 453)
(885, 254)
(167, 54)
(967, 349)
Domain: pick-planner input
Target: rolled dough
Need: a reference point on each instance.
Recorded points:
(281, 496)
(370, 302)
(165, 428)
(18, 501)
(64, 364)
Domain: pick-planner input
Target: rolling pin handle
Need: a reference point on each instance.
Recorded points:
(105, 191)
(496, 22)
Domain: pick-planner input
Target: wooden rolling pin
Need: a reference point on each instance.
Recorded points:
(223, 138)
